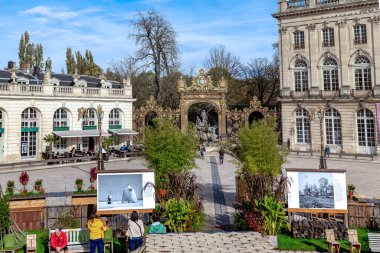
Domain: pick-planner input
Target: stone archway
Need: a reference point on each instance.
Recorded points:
(202, 90)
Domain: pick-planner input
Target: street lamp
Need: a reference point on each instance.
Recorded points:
(322, 160)
(83, 113)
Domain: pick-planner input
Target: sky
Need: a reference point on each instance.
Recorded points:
(245, 27)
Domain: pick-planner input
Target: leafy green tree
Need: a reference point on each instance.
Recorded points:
(24, 41)
(258, 149)
(70, 61)
(38, 56)
(168, 150)
(51, 139)
(5, 215)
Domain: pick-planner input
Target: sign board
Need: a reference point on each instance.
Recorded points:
(24, 148)
(316, 190)
(123, 191)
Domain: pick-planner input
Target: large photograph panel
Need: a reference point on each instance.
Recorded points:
(316, 190)
(125, 191)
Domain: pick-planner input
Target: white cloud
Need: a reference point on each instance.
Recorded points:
(55, 13)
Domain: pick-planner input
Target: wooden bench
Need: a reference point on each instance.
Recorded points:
(374, 241)
(78, 239)
(354, 241)
(333, 244)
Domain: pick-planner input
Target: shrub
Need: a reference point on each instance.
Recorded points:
(248, 217)
(10, 187)
(168, 150)
(183, 215)
(5, 220)
(66, 220)
(24, 178)
(273, 214)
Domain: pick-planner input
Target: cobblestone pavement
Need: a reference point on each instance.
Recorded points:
(243, 242)
(364, 174)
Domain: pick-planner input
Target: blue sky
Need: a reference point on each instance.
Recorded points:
(245, 27)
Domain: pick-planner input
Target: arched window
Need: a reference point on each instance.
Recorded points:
(363, 77)
(333, 127)
(366, 128)
(303, 126)
(61, 120)
(29, 133)
(330, 75)
(301, 76)
(115, 119)
(89, 122)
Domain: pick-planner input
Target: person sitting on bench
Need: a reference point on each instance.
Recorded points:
(58, 241)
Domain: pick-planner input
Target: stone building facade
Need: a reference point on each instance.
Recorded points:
(34, 105)
(330, 62)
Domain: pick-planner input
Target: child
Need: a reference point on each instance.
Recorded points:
(156, 227)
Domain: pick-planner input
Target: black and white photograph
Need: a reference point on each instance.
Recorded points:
(120, 191)
(316, 190)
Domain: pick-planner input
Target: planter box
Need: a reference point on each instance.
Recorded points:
(83, 199)
(27, 202)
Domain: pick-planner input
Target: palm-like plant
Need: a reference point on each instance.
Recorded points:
(51, 139)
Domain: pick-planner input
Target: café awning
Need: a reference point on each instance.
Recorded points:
(123, 131)
(79, 133)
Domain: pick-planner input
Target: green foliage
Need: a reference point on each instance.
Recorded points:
(258, 149)
(274, 216)
(84, 65)
(48, 64)
(5, 215)
(30, 53)
(108, 141)
(66, 220)
(183, 216)
(168, 150)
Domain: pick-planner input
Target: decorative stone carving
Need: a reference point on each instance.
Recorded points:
(127, 82)
(47, 77)
(310, 27)
(80, 83)
(76, 76)
(14, 77)
(284, 30)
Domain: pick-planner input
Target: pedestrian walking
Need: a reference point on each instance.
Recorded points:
(221, 155)
(327, 151)
(288, 144)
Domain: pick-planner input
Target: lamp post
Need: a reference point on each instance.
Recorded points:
(83, 113)
(322, 160)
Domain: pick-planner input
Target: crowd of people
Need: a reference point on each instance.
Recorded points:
(97, 226)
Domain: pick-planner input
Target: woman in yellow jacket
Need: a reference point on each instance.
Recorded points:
(96, 229)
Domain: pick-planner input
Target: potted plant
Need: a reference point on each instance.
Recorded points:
(79, 184)
(10, 187)
(24, 179)
(38, 185)
(350, 191)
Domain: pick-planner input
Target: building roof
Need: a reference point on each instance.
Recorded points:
(64, 79)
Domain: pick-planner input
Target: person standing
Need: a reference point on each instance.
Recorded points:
(221, 155)
(288, 144)
(58, 241)
(135, 232)
(96, 229)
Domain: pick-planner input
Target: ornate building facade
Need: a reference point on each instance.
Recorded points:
(35, 105)
(330, 62)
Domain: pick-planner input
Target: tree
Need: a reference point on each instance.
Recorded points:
(223, 62)
(157, 46)
(70, 61)
(168, 150)
(262, 77)
(258, 149)
(38, 56)
(5, 214)
(85, 65)
(51, 139)
(24, 41)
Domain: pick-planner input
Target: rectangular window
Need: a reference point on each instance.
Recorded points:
(301, 81)
(303, 130)
(360, 34)
(331, 80)
(85, 141)
(299, 40)
(363, 79)
(328, 37)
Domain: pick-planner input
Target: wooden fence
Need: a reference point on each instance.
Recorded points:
(362, 214)
(29, 218)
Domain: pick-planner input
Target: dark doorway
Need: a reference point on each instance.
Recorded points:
(255, 116)
(149, 117)
(91, 144)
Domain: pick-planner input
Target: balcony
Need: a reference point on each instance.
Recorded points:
(17, 89)
(295, 5)
(344, 93)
